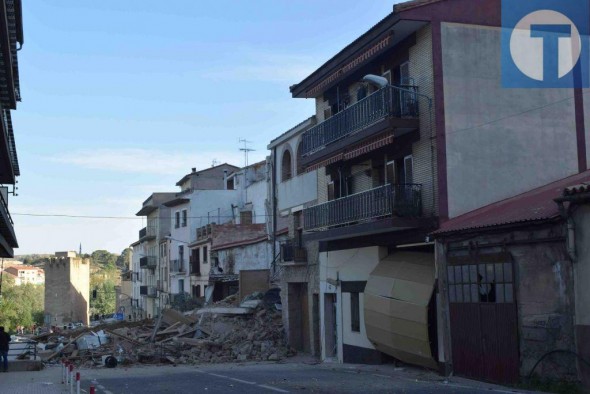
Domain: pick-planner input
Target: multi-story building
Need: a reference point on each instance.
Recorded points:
(413, 128)
(205, 197)
(67, 289)
(11, 39)
(151, 255)
(24, 274)
(292, 189)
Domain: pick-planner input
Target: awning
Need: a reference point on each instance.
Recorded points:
(324, 163)
(396, 307)
(369, 146)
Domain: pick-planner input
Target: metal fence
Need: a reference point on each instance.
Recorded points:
(23, 350)
(390, 101)
(387, 200)
(148, 262)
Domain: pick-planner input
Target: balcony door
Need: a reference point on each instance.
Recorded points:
(400, 171)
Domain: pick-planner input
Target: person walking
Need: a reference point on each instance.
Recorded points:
(4, 340)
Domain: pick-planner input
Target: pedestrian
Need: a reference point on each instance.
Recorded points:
(4, 340)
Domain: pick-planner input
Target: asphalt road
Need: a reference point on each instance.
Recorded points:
(273, 378)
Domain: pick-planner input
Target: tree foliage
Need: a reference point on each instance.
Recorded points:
(123, 259)
(21, 305)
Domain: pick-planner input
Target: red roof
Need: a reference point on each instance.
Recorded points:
(536, 204)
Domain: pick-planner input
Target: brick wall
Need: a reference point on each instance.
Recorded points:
(424, 151)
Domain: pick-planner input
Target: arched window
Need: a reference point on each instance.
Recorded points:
(299, 157)
(286, 166)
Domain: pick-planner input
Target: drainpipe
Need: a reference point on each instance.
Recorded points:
(274, 207)
(570, 233)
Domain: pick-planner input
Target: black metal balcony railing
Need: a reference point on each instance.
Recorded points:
(148, 262)
(390, 101)
(148, 231)
(383, 201)
(291, 252)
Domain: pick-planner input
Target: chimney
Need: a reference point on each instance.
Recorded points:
(194, 169)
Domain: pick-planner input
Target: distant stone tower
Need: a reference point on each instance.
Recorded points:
(67, 288)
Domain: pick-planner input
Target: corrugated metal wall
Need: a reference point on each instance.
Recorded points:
(424, 151)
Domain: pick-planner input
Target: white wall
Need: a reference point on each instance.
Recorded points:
(346, 265)
(249, 257)
(297, 190)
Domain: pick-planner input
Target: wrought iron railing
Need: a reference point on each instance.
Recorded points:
(148, 231)
(390, 101)
(22, 350)
(148, 262)
(291, 252)
(383, 201)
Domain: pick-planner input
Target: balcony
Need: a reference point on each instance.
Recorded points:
(148, 262)
(292, 253)
(381, 202)
(6, 226)
(177, 266)
(147, 233)
(148, 291)
(390, 102)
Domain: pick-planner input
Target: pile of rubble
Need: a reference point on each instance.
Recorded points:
(223, 332)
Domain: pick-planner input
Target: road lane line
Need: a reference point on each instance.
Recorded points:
(272, 388)
(219, 376)
(242, 381)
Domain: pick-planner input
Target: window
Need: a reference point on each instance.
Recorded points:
(184, 218)
(481, 283)
(205, 255)
(286, 165)
(180, 286)
(355, 313)
(176, 219)
(408, 169)
(404, 74)
(181, 253)
(390, 176)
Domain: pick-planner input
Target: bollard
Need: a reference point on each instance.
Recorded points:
(71, 378)
(67, 372)
(63, 372)
(92, 390)
(77, 382)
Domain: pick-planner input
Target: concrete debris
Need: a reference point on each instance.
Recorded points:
(225, 331)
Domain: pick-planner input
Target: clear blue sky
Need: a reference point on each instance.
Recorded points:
(122, 98)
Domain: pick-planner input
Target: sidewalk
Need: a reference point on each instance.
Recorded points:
(47, 381)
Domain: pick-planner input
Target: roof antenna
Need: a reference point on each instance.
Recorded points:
(245, 149)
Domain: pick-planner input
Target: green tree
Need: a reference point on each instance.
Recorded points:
(20, 305)
(104, 258)
(105, 301)
(123, 259)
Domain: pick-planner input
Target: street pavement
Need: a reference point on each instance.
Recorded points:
(247, 378)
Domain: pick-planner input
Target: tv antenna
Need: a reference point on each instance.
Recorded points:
(246, 150)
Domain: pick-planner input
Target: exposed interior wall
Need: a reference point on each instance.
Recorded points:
(424, 151)
(252, 281)
(498, 139)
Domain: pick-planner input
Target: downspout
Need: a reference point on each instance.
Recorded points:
(570, 237)
(274, 208)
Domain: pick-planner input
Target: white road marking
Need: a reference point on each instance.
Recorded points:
(219, 376)
(242, 381)
(272, 388)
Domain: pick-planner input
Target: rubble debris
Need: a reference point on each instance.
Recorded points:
(226, 331)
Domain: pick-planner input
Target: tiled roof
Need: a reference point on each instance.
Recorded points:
(412, 4)
(577, 189)
(534, 205)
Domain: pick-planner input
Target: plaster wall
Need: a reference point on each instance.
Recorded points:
(498, 140)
